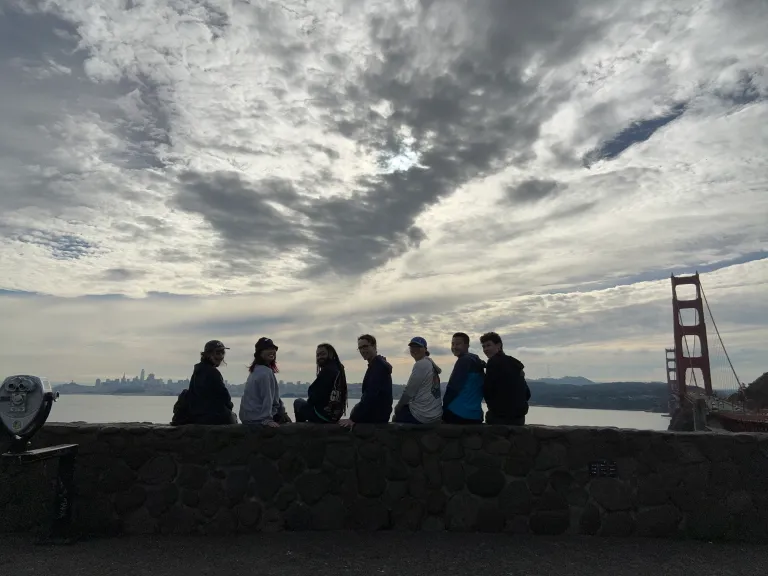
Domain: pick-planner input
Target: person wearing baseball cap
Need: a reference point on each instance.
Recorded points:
(421, 401)
(261, 403)
(207, 400)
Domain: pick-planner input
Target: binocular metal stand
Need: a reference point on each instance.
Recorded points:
(59, 530)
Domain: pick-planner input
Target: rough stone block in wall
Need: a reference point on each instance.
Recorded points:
(530, 480)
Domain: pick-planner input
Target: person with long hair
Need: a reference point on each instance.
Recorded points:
(327, 396)
(261, 403)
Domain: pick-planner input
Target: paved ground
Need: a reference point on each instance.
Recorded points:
(375, 554)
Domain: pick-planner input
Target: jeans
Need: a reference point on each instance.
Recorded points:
(491, 418)
(451, 418)
(305, 412)
(403, 415)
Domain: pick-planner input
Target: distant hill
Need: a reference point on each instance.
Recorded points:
(757, 393)
(642, 396)
(72, 388)
(572, 380)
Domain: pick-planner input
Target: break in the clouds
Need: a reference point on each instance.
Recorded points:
(326, 167)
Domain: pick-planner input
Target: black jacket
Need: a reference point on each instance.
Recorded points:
(207, 400)
(376, 403)
(505, 390)
(319, 392)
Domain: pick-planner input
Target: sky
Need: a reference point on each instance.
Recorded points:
(173, 171)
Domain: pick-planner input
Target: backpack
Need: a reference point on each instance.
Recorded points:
(337, 405)
(181, 409)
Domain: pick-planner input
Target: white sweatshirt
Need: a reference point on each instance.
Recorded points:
(423, 392)
(261, 397)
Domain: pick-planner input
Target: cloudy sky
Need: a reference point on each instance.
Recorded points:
(178, 170)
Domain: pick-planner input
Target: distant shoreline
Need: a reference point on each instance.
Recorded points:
(574, 405)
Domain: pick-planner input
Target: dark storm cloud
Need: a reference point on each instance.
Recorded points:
(533, 190)
(144, 126)
(121, 274)
(244, 216)
(638, 131)
(345, 235)
(471, 115)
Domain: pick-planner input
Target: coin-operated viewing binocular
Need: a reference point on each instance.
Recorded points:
(25, 403)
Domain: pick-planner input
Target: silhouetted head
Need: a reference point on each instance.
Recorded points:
(326, 354)
(366, 345)
(491, 343)
(265, 354)
(418, 348)
(459, 344)
(214, 352)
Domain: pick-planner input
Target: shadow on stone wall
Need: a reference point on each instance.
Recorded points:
(157, 479)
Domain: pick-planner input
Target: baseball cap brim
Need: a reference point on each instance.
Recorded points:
(266, 344)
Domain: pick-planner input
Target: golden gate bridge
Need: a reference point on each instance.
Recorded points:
(696, 384)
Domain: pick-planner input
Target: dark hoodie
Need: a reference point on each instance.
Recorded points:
(376, 404)
(320, 393)
(208, 399)
(505, 389)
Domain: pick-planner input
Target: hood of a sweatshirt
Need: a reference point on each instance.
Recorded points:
(383, 360)
(477, 360)
(437, 368)
(516, 363)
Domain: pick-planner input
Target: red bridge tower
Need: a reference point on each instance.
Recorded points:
(683, 362)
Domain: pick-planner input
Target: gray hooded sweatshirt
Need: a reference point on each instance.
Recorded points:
(422, 393)
(261, 397)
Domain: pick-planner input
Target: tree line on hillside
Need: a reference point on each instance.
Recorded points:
(756, 394)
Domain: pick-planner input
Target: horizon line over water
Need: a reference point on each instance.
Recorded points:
(112, 409)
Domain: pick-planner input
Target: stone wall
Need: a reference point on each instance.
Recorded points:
(139, 479)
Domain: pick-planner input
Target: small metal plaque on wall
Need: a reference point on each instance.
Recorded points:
(603, 468)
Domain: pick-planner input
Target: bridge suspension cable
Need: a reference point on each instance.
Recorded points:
(726, 380)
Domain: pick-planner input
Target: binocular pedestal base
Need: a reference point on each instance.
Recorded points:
(59, 530)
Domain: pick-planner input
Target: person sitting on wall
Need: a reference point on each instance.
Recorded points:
(505, 390)
(207, 400)
(463, 399)
(261, 403)
(375, 406)
(327, 396)
(420, 402)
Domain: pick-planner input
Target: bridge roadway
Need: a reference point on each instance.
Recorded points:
(381, 553)
(731, 415)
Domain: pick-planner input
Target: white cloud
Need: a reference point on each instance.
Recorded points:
(314, 170)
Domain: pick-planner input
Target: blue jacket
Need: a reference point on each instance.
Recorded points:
(376, 404)
(464, 392)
